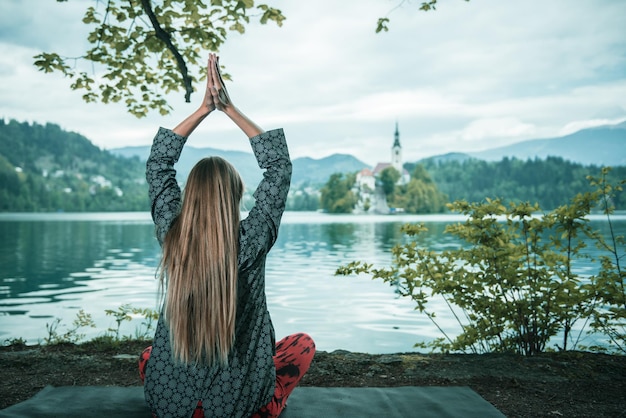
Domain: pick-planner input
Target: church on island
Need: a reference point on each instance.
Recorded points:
(368, 188)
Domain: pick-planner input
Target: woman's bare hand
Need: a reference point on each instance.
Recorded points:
(220, 98)
(207, 102)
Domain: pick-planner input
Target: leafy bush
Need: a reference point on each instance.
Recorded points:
(511, 287)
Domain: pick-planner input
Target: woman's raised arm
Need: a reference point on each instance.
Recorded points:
(186, 127)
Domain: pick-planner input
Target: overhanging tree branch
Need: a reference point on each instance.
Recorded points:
(167, 40)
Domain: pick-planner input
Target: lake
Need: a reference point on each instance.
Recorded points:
(53, 265)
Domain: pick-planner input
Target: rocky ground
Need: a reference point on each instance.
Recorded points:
(570, 384)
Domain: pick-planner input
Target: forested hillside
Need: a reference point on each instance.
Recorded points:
(551, 182)
(43, 168)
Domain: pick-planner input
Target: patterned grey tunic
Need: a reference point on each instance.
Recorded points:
(173, 389)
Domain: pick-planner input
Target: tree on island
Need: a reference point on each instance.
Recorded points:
(420, 195)
(337, 195)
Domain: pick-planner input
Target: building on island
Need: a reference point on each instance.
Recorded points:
(371, 197)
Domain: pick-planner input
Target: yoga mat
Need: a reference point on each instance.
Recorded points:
(304, 402)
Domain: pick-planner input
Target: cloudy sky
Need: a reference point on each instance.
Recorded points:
(467, 77)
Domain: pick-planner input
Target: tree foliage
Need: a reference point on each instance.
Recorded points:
(420, 195)
(337, 195)
(388, 179)
(383, 22)
(609, 317)
(144, 48)
(511, 286)
(43, 168)
(549, 181)
(303, 200)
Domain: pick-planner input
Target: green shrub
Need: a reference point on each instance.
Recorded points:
(511, 287)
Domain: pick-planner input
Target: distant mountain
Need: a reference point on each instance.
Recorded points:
(316, 172)
(306, 171)
(451, 156)
(600, 146)
(243, 161)
(603, 145)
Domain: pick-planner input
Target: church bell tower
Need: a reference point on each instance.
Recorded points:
(396, 152)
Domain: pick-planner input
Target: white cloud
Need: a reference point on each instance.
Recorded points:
(501, 128)
(576, 126)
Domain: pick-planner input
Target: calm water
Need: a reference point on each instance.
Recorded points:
(52, 265)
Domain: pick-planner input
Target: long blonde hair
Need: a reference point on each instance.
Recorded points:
(199, 265)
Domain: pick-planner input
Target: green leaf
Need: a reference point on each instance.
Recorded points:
(382, 25)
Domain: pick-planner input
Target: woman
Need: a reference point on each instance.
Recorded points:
(214, 352)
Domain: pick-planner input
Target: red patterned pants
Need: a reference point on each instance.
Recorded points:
(294, 354)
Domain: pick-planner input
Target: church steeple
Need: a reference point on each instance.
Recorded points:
(396, 151)
(396, 137)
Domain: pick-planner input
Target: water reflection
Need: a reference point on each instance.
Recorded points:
(53, 254)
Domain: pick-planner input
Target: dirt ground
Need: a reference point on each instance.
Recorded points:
(570, 384)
